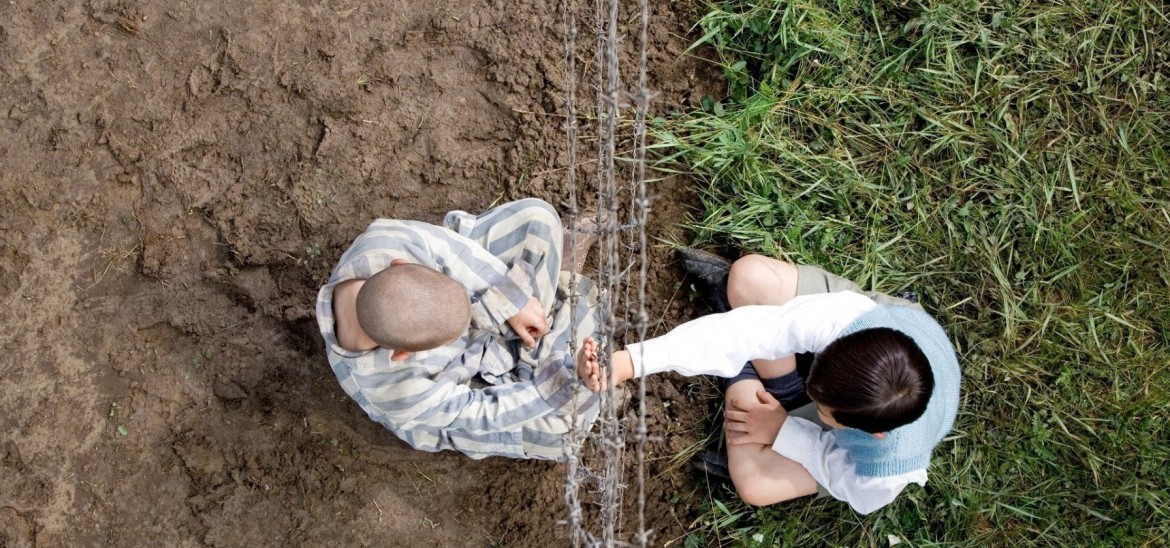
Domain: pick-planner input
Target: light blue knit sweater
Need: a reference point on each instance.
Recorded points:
(908, 448)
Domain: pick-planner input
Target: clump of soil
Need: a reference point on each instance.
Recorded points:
(179, 178)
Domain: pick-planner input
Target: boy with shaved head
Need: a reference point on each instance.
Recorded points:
(457, 336)
(438, 305)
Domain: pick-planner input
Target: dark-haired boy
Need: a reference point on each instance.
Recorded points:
(884, 380)
(457, 336)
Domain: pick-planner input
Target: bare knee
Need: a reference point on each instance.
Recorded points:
(538, 210)
(754, 492)
(756, 279)
(537, 218)
(750, 493)
(748, 484)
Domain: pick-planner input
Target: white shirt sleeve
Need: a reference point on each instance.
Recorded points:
(829, 464)
(720, 344)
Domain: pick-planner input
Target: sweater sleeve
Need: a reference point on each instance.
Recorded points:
(720, 344)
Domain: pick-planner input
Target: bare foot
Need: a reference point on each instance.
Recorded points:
(587, 232)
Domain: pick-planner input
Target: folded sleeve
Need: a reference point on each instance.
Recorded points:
(491, 308)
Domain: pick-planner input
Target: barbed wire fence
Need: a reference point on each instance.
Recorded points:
(614, 276)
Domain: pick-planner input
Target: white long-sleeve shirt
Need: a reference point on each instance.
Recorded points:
(720, 344)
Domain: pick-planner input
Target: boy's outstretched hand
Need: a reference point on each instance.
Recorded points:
(756, 422)
(588, 369)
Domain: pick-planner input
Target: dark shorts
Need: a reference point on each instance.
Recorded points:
(789, 389)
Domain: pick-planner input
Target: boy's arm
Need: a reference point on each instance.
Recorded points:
(414, 401)
(828, 463)
(720, 344)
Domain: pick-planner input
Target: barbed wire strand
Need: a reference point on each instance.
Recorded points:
(612, 278)
(614, 441)
(642, 211)
(575, 437)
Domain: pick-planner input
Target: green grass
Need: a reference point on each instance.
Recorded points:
(1010, 162)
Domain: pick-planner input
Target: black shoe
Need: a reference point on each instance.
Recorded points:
(712, 271)
(712, 463)
(911, 296)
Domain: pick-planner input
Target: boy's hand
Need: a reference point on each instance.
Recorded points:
(755, 422)
(529, 323)
(588, 370)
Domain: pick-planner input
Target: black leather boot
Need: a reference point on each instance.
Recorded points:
(711, 270)
(713, 462)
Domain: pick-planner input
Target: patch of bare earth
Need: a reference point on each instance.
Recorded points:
(178, 178)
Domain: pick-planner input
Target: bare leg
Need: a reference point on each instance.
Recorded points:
(761, 476)
(756, 279)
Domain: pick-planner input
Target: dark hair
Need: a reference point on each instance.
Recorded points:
(874, 380)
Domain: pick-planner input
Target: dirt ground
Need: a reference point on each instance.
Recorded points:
(176, 181)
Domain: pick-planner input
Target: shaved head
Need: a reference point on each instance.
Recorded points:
(411, 308)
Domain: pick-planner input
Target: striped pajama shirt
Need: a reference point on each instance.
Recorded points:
(485, 394)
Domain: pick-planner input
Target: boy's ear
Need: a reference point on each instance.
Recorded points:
(399, 355)
(397, 262)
